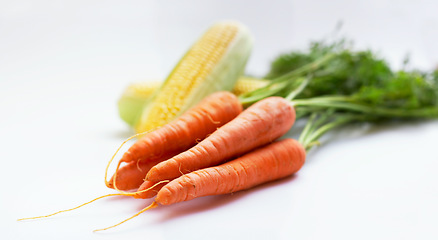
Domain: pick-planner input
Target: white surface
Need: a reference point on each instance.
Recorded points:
(64, 65)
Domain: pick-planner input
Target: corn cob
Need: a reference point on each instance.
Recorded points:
(133, 99)
(248, 84)
(136, 96)
(212, 64)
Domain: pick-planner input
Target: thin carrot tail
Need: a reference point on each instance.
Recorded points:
(114, 155)
(71, 209)
(107, 195)
(114, 179)
(136, 193)
(117, 151)
(152, 205)
(154, 188)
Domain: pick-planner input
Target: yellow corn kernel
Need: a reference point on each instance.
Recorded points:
(142, 89)
(136, 96)
(212, 64)
(248, 84)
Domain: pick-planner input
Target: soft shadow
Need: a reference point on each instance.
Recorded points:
(359, 130)
(207, 203)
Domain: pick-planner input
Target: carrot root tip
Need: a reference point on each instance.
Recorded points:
(152, 205)
(70, 209)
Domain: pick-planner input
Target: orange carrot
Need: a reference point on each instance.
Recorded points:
(268, 163)
(271, 162)
(185, 131)
(258, 125)
(132, 175)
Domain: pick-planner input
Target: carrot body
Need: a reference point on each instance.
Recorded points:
(271, 162)
(184, 132)
(132, 175)
(258, 125)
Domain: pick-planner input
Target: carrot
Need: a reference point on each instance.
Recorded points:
(258, 125)
(268, 163)
(184, 132)
(132, 175)
(271, 162)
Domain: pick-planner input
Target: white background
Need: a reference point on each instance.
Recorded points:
(63, 66)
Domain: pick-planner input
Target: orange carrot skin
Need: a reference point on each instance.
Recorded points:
(258, 125)
(271, 162)
(132, 175)
(188, 129)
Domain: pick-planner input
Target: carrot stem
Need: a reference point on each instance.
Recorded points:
(299, 89)
(306, 129)
(309, 67)
(346, 103)
(325, 128)
(270, 90)
(284, 81)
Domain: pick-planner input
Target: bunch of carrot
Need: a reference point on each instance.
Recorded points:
(212, 133)
(214, 148)
(210, 150)
(217, 147)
